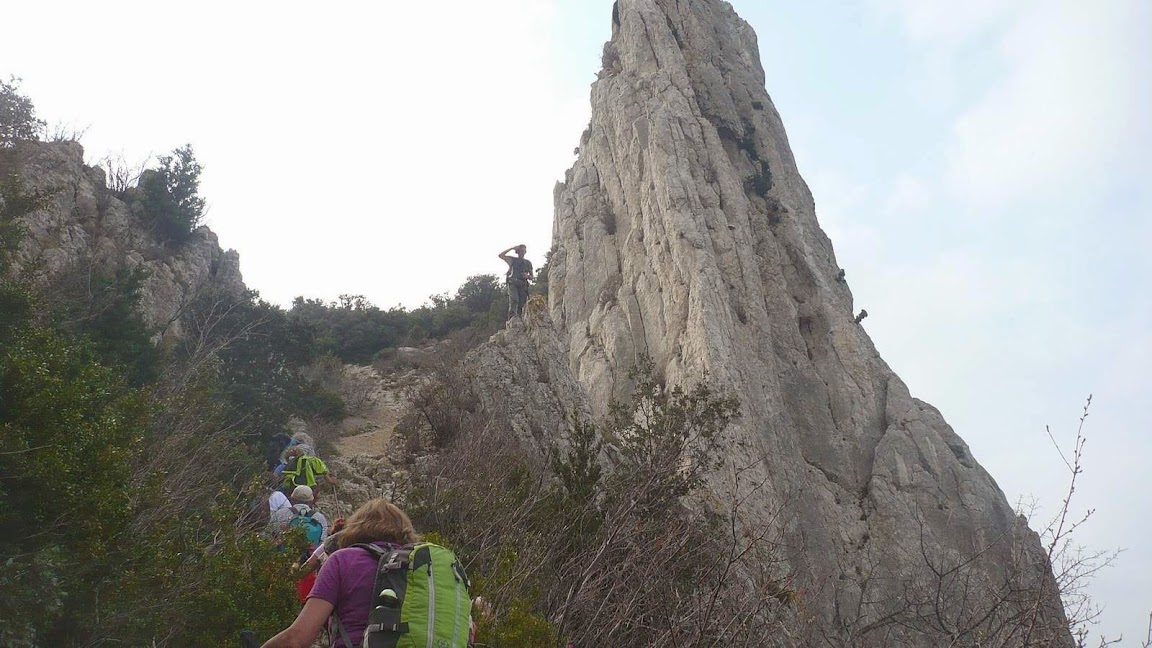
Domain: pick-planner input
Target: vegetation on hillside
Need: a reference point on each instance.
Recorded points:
(129, 471)
(569, 552)
(356, 331)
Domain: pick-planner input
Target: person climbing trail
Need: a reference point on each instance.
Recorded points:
(326, 548)
(300, 440)
(301, 514)
(305, 469)
(274, 454)
(277, 501)
(364, 588)
(519, 275)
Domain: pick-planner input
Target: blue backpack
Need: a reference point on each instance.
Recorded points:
(312, 527)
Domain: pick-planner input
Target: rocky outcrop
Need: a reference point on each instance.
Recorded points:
(82, 221)
(684, 232)
(521, 376)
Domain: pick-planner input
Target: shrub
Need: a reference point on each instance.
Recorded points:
(17, 115)
(15, 203)
(92, 301)
(582, 549)
(357, 331)
(67, 424)
(124, 509)
(170, 199)
(540, 287)
(258, 353)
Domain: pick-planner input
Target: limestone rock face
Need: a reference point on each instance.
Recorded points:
(82, 221)
(685, 232)
(522, 376)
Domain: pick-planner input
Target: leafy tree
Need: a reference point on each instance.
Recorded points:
(171, 198)
(101, 305)
(66, 428)
(17, 115)
(479, 293)
(259, 351)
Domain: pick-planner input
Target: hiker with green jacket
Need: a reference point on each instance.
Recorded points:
(519, 275)
(305, 469)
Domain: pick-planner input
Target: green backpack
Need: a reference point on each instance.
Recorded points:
(420, 599)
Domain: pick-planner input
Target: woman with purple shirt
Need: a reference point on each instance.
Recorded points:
(344, 585)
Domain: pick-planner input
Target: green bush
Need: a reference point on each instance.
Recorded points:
(97, 303)
(356, 331)
(540, 286)
(203, 578)
(566, 550)
(518, 626)
(170, 198)
(17, 115)
(100, 530)
(67, 424)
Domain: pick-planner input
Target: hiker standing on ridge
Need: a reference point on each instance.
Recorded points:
(519, 275)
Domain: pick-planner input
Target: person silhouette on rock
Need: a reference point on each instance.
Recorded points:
(518, 277)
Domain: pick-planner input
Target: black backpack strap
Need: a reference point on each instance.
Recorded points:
(390, 559)
(388, 562)
(380, 553)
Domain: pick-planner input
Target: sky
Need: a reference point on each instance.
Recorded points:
(984, 170)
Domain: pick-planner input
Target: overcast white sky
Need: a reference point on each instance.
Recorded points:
(984, 169)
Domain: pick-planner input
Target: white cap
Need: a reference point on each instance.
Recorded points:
(302, 494)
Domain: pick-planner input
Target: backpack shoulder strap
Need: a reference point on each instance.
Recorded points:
(343, 633)
(375, 550)
(388, 559)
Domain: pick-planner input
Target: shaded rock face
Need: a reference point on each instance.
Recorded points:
(82, 221)
(685, 232)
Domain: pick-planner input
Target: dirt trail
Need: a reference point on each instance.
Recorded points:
(377, 404)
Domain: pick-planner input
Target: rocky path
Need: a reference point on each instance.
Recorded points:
(363, 453)
(377, 405)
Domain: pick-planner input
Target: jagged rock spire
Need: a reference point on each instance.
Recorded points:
(685, 232)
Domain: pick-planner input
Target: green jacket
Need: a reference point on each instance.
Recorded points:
(304, 472)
